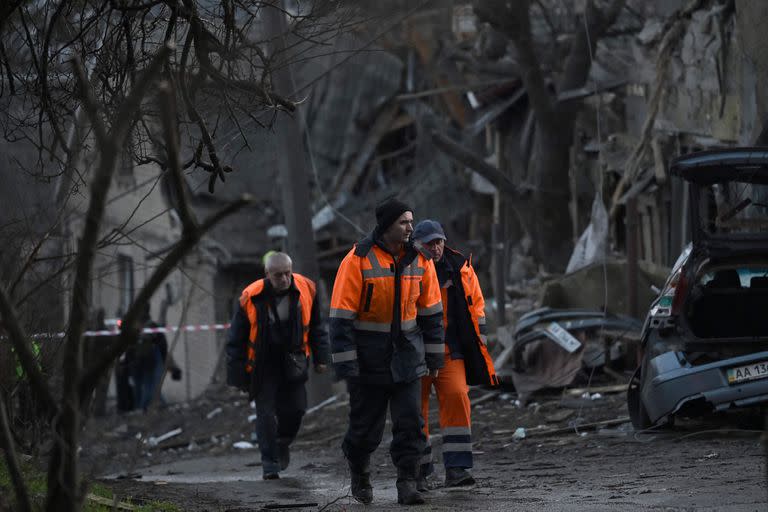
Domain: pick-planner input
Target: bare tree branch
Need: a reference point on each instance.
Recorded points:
(168, 102)
(90, 104)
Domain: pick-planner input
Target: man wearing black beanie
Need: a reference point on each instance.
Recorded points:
(388, 212)
(386, 329)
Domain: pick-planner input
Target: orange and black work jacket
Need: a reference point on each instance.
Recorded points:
(464, 318)
(386, 316)
(249, 331)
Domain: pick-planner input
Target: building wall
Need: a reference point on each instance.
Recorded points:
(137, 207)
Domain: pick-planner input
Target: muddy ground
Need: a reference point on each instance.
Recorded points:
(715, 463)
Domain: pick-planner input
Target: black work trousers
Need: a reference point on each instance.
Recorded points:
(280, 407)
(367, 416)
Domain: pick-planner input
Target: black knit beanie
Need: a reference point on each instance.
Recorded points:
(388, 212)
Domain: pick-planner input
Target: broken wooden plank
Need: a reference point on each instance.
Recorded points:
(486, 397)
(112, 503)
(279, 506)
(154, 441)
(659, 167)
(505, 336)
(469, 158)
(322, 404)
(579, 428)
(454, 87)
(502, 358)
(453, 100)
(355, 171)
(616, 388)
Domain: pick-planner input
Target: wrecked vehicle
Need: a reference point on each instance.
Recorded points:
(705, 338)
(551, 345)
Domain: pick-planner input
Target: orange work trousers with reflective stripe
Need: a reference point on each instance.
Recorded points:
(455, 422)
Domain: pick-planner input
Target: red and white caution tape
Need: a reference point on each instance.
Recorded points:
(146, 330)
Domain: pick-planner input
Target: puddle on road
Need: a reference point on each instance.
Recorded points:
(320, 485)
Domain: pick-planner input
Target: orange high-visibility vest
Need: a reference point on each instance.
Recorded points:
(307, 291)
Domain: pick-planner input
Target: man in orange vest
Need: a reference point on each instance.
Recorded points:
(466, 357)
(273, 332)
(386, 333)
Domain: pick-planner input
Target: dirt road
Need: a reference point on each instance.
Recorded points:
(711, 464)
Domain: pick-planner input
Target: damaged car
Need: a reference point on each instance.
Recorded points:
(705, 338)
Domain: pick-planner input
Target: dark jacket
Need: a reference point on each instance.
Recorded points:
(465, 318)
(249, 332)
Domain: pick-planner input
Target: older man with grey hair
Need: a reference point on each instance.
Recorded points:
(276, 328)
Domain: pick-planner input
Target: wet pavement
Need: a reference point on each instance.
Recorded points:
(613, 470)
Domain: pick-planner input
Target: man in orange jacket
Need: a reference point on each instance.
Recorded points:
(386, 333)
(272, 334)
(466, 357)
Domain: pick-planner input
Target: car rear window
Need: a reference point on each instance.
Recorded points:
(734, 208)
(751, 277)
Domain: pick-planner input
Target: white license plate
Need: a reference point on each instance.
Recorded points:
(748, 372)
(562, 337)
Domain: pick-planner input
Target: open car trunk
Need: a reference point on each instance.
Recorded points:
(729, 200)
(729, 302)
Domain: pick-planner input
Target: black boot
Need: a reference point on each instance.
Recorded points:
(407, 493)
(422, 484)
(362, 490)
(407, 487)
(457, 477)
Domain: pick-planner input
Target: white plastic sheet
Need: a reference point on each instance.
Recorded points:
(592, 243)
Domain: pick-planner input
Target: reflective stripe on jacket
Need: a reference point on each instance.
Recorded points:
(386, 317)
(472, 334)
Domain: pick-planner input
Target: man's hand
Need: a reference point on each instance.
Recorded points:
(321, 368)
(433, 373)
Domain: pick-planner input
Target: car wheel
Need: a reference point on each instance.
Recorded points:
(637, 413)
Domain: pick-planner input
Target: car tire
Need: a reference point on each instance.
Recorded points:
(637, 412)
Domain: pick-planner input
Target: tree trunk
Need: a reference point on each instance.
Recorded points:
(550, 159)
(549, 168)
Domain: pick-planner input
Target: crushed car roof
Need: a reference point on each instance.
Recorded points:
(749, 164)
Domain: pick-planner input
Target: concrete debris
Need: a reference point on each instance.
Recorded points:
(559, 416)
(519, 433)
(651, 31)
(622, 430)
(154, 441)
(213, 413)
(602, 287)
(243, 445)
(252, 418)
